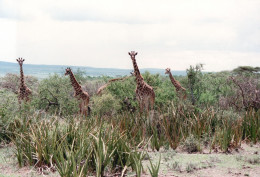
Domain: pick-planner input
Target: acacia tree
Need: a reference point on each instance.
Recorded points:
(247, 92)
(247, 70)
(246, 88)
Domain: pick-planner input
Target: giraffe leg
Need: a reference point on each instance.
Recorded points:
(27, 99)
(151, 100)
(85, 112)
(141, 106)
(146, 104)
(19, 100)
(20, 103)
(139, 99)
(85, 107)
(80, 108)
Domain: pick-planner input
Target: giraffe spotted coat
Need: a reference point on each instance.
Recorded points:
(144, 92)
(180, 90)
(79, 93)
(24, 92)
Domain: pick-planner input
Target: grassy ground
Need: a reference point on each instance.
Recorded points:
(243, 162)
(9, 166)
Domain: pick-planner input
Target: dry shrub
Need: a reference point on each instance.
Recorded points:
(246, 94)
(191, 144)
(11, 82)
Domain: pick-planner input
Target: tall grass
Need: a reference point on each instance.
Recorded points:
(99, 146)
(74, 148)
(251, 126)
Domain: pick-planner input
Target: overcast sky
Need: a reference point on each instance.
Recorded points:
(222, 34)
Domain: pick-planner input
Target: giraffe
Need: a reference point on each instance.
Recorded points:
(80, 94)
(144, 92)
(176, 84)
(24, 92)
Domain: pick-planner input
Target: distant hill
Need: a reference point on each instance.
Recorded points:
(43, 71)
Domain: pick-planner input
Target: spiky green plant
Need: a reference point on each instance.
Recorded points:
(136, 162)
(154, 169)
(103, 150)
(70, 162)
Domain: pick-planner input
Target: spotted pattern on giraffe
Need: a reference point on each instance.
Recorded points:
(24, 92)
(180, 90)
(79, 93)
(144, 92)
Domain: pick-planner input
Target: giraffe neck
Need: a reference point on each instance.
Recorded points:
(21, 76)
(138, 76)
(74, 82)
(174, 82)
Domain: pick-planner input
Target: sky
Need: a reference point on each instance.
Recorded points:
(221, 34)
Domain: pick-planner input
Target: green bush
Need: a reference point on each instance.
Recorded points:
(106, 104)
(55, 95)
(9, 108)
(163, 88)
(123, 89)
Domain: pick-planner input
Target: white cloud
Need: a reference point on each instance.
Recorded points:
(99, 33)
(8, 39)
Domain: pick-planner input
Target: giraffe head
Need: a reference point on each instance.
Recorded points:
(132, 54)
(167, 71)
(20, 61)
(68, 71)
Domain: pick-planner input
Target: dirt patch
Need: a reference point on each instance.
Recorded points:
(244, 161)
(9, 166)
(241, 162)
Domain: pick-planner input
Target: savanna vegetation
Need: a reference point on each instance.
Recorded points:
(220, 112)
